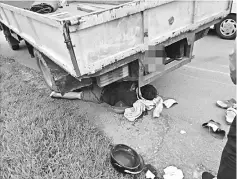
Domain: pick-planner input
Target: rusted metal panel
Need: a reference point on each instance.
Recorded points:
(111, 42)
(117, 12)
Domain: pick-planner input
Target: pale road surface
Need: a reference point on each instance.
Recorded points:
(196, 87)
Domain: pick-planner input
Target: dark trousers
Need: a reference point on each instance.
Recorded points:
(227, 168)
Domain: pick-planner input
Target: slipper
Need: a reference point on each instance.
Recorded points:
(230, 115)
(169, 103)
(226, 103)
(215, 126)
(55, 95)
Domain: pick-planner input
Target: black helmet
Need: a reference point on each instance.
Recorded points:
(126, 160)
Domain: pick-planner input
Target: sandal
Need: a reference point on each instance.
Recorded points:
(226, 103)
(215, 128)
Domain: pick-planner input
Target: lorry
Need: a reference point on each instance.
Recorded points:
(101, 41)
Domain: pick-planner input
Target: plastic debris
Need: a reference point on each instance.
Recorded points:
(183, 132)
(169, 103)
(150, 175)
(172, 172)
(152, 171)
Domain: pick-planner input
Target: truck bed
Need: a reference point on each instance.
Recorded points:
(73, 8)
(81, 9)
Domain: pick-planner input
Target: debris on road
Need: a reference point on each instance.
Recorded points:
(215, 128)
(230, 115)
(172, 172)
(151, 172)
(141, 105)
(183, 132)
(169, 103)
(150, 175)
(226, 103)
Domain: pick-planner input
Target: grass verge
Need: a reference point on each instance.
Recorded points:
(44, 138)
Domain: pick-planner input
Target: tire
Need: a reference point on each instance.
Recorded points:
(15, 47)
(226, 29)
(45, 70)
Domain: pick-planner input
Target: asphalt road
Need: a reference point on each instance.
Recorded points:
(196, 87)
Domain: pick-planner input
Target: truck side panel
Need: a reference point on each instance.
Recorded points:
(43, 33)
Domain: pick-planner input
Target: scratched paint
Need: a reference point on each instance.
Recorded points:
(159, 25)
(95, 44)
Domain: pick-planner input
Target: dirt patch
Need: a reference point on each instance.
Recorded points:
(145, 135)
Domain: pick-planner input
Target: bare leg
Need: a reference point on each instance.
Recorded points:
(69, 95)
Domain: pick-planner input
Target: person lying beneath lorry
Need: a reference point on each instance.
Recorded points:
(118, 94)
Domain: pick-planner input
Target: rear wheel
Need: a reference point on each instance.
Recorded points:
(45, 70)
(14, 47)
(226, 29)
(13, 43)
